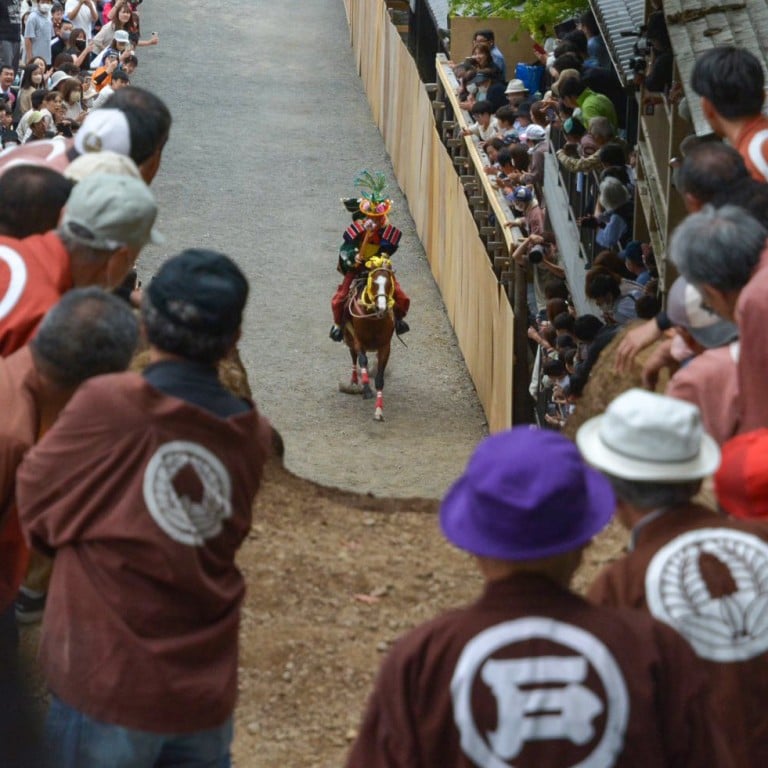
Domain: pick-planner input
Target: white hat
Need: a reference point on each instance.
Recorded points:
(101, 162)
(121, 36)
(535, 133)
(104, 129)
(58, 77)
(649, 437)
(685, 307)
(516, 86)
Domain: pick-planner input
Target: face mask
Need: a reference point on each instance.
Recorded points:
(65, 34)
(74, 98)
(472, 88)
(80, 45)
(45, 8)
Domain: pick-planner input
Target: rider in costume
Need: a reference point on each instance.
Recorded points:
(370, 234)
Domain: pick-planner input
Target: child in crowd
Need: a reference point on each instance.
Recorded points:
(485, 125)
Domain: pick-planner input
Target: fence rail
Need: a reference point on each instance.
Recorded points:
(477, 303)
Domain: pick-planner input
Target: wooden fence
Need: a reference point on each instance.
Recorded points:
(477, 303)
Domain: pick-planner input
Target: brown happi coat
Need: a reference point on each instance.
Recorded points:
(145, 500)
(707, 576)
(531, 675)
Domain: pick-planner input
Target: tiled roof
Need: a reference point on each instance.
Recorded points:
(613, 18)
(439, 10)
(695, 26)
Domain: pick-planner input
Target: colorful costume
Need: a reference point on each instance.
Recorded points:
(370, 234)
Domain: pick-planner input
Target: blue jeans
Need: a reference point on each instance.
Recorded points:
(81, 742)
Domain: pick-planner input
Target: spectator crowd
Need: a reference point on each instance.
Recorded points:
(125, 494)
(578, 112)
(140, 613)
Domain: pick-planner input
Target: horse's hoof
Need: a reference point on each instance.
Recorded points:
(378, 416)
(348, 388)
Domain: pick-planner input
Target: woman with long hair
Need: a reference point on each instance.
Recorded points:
(31, 80)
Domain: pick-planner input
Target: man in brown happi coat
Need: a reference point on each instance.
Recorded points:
(143, 489)
(703, 574)
(531, 674)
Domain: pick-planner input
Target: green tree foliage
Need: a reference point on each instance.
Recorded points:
(537, 16)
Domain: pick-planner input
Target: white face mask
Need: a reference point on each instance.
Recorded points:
(45, 8)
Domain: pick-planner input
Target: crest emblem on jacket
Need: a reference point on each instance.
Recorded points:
(711, 585)
(573, 692)
(188, 492)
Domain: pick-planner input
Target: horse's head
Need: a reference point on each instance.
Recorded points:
(380, 288)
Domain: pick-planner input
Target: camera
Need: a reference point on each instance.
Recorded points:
(536, 254)
(641, 50)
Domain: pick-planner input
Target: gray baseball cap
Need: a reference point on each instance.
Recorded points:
(106, 212)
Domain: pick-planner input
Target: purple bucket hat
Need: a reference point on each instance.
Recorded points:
(526, 494)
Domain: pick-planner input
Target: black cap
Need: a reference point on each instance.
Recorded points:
(208, 281)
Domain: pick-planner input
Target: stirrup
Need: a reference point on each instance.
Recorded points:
(401, 327)
(336, 333)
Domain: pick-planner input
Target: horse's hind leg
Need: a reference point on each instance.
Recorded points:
(382, 358)
(362, 361)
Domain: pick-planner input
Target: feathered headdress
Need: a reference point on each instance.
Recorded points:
(373, 201)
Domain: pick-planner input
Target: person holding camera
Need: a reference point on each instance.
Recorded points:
(658, 78)
(540, 253)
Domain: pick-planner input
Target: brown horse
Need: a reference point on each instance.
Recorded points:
(369, 328)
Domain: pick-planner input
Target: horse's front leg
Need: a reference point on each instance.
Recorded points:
(382, 358)
(354, 381)
(362, 361)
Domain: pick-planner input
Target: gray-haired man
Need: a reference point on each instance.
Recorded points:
(89, 332)
(702, 574)
(723, 253)
(105, 224)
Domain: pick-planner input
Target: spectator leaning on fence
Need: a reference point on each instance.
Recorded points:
(576, 95)
(723, 253)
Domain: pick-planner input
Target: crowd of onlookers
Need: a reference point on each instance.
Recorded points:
(62, 59)
(124, 496)
(578, 111)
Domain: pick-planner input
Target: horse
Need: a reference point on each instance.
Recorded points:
(369, 327)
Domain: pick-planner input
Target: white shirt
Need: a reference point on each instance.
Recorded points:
(83, 19)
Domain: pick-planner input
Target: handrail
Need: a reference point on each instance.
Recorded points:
(501, 209)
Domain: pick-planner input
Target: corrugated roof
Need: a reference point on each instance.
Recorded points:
(439, 10)
(613, 18)
(695, 27)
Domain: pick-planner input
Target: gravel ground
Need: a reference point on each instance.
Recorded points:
(268, 134)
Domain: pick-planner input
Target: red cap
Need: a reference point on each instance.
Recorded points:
(741, 483)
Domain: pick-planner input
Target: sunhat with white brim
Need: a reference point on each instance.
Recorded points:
(649, 437)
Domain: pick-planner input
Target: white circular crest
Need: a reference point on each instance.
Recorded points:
(188, 492)
(16, 282)
(732, 623)
(540, 698)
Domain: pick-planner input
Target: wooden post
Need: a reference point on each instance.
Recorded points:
(522, 404)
